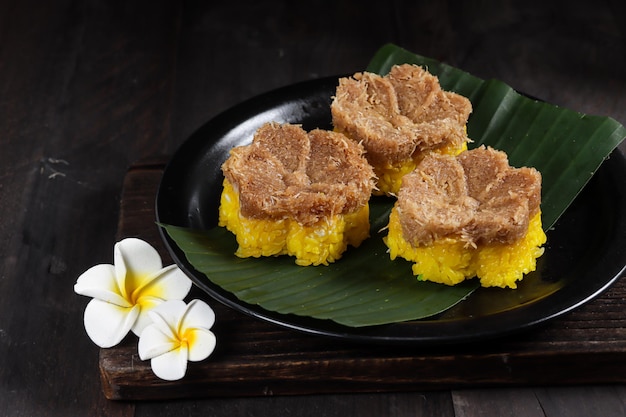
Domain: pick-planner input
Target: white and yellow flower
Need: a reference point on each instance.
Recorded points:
(179, 333)
(125, 292)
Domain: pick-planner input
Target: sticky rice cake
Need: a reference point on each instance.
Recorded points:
(399, 118)
(304, 194)
(469, 215)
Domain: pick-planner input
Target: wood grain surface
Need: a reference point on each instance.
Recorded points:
(89, 88)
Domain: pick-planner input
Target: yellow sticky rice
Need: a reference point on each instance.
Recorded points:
(390, 176)
(318, 244)
(449, 261)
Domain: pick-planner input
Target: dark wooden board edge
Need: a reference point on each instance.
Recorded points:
(254, 358)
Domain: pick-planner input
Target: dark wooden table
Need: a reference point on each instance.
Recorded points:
(90, 89)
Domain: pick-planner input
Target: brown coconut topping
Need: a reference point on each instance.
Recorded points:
(398, 115)
(476, 196)
(288, 173)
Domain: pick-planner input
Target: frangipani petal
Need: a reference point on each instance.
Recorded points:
(137, 255)
(198, 314)
(167, 315)
(145, 306)
(135, 260)
(100, 282)
(107, 324)
(172, 365)
(201, 343)
(169, 283)
(154, 342)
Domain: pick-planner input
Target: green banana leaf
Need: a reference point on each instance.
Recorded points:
(365, 287)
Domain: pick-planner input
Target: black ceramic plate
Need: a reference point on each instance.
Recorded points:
(586, 250)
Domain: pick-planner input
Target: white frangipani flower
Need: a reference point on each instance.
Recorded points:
(125, 292)
(179, 333)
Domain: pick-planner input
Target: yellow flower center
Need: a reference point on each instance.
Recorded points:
(142, 291)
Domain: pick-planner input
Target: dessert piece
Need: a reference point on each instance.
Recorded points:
(399, 118)
(297, 193)
(469, 215)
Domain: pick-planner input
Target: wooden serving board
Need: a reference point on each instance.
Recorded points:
(255, 358)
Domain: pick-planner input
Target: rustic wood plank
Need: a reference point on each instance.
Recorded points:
(254, 358)
(579, 401)
(582, 401)
(81, 96)
(399, 404)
